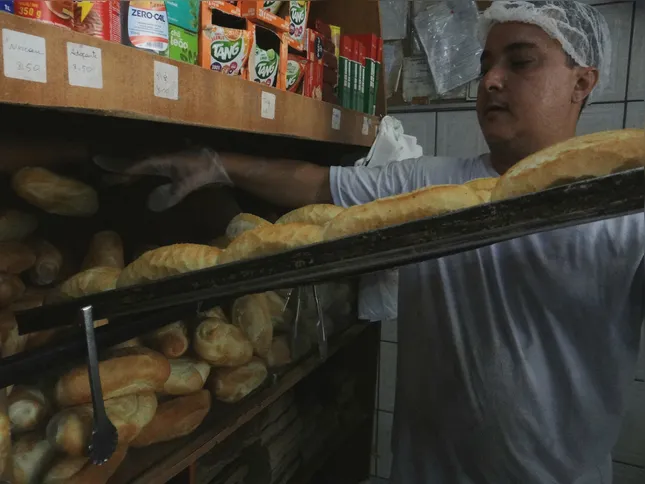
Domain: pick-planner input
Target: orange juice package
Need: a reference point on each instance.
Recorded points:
(225, 49)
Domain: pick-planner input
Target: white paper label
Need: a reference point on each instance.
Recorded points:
(166, 81)
(335, 119)
(367, 122)
(268, 105)
(84, 66)
(24, 55)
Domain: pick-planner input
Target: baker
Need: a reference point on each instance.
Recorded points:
(515, 359)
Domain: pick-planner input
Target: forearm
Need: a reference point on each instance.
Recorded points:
(286, 183)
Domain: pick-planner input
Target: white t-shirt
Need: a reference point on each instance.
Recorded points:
(515, 359)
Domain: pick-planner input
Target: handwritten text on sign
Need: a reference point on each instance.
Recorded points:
(24, 56)
(84, 66)
(335, 119)
(166, 81)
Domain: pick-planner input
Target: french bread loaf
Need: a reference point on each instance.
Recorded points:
(90, 281)
(318, 214)
(272, 239)
(426, 202)
(49, 262)
(171, 340)
(16, 225)
(11, 342)
(231, 385)
(106, 250)
(222, 344)
(63, 469)
(215, 312)
(27, 409)
(94, 474)
(244, 222)
(6, 462)
(279, 354)
(31, 457)
(54, 193)
(482, 187)
(168, 261)
(187, 376)
(16, 257)
(252, 315)
(280, 315)
(11, 289)
(70, 430)
(175, 418)
(592, 155)
(127, 371)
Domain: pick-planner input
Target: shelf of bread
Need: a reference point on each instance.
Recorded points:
(50, 67)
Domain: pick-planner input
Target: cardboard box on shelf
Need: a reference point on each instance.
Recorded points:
(298, 16)
(345, 71)
(268, 57)
(184, 45)
(371, 43)
(335, 38)
(359, 75)
(313, 82)
(6, 6)
(184, 14)
(257, 12)
(220, 5)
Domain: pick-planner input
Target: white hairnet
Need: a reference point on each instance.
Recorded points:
(581, 29)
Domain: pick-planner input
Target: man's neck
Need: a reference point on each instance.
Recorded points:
(505, 155)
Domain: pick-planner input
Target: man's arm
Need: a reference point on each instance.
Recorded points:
(286, 183)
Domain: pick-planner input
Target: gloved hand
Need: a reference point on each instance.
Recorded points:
(187, 170)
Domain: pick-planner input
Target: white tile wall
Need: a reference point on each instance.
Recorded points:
(384, 457)
(635, 115)
(459, 134)
(421, 125)
(637, 68)
(389, 330)
(601, 117)
(387, 376)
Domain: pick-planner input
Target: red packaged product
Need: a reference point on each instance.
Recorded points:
(59, 13)
(99, 19)
(323, 28)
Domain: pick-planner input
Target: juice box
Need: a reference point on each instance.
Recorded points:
(183, 45)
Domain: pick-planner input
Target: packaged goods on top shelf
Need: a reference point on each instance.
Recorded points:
(268, 58)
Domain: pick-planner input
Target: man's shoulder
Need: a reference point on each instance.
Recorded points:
(440, 170)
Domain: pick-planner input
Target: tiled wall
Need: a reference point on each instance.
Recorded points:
(442, 132)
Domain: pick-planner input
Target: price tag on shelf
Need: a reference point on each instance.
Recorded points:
(367, 122)
(24, 56)
(268, 105)
(166, 81)
(335, 119)
(84, 66)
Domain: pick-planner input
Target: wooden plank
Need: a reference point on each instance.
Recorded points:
(626, 474)
(159, 463)
(206, 98)
(630, 448)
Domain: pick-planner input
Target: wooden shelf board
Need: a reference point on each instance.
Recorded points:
(161, 462)
(206, 98)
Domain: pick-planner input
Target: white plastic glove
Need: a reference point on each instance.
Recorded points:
(187, 170)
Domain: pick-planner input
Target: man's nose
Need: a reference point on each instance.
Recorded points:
(494, 79)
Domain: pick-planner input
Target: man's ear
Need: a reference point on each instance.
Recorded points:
(587, 80)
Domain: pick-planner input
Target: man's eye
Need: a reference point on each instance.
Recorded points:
(520, 63)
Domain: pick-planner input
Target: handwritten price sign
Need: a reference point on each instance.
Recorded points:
(84, 66)
(24, 56)
(166, 82)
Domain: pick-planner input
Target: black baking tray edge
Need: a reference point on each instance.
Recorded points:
(582, 202)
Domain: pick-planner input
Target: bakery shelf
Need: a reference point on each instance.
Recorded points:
(581, 202)
(161, 462)
(205, 98)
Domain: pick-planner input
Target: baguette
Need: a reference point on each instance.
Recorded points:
(270, 240)
(186, 376)
(6, 463)
(16, 225)
(49, 262)
(93, 474)
(244, 222)
(311, 214)
(11, 289)
(280, 315)
(63, 469)
(70, 430)
(252, 315)
(426, 202)
(106, 250)
(54, 193)
(221, 242)
(483, 187)
(222, 344)
(11, 342)
(15, 257)
(31, 456)
(279, 354)
(168, 261)
(128, 371)
(231, 385)
(592, 155)
(91, 281)
(27, 409)
(175, 418)
(172, 340)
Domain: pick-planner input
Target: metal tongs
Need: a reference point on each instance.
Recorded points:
(294, 302)
(104, 434)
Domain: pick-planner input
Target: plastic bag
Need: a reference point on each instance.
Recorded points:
(394, 19)
(447, 31)
(393, 62)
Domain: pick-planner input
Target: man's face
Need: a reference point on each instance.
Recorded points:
(526, 87)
